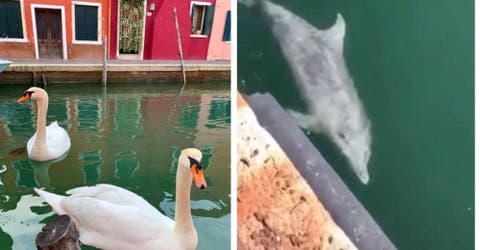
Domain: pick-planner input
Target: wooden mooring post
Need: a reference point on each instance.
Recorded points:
(44, 80)
(104, 75)
(60, 234)
(180, 52)
(34, 78)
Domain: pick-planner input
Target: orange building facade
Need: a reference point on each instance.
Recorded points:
(53, 29)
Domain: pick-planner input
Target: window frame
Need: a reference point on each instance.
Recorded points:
(24, 33)
(99, 23)
(203, 18)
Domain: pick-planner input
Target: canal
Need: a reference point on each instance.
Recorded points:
(127, 135)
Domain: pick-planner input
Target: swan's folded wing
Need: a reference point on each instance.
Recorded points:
(113, 194)
(30, 143)
(58, 141)
(103, 223)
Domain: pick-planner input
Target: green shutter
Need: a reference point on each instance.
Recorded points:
(91, 17)
(10, 20)
(226, 31)
(207, 22)
(14, 19)
(79, 23)
(86, 23)
(3, 20)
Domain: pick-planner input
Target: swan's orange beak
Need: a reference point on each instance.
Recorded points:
(25, 97)
(198, 177)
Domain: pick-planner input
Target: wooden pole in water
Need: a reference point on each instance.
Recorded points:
(44, 80)
(180, 52)
(34, 79)
(104, 75)
(61, 233)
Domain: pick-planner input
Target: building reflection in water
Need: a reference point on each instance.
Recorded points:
(91, 165)
(19, 119)
(127, 117)
(88, 115)
(58, 111)
(125, 164)
(201, 121)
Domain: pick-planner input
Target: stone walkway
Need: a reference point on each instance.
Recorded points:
(31, 65)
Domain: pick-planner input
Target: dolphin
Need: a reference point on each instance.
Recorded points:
(315, 57)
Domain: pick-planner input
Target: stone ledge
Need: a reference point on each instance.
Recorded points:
(276, 207)
(112, 68)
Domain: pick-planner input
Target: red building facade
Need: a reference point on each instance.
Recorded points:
(159, 39)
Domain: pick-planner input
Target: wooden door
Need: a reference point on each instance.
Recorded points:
(49, 33)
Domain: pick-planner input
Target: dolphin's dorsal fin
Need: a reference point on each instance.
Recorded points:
(335, 34)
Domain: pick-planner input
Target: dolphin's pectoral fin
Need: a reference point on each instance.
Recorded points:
(305, 121)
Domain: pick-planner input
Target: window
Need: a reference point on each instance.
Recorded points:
(202, 18)
(226, 31)
(10, 19)
(86, 23)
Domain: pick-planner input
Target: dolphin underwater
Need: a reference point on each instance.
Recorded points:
(316, 59)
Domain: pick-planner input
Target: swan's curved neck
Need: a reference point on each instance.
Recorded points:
(41, 137)
(183, 215)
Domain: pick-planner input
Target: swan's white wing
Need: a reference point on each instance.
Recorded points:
(111, 226)
(110, 217)
(114, 195)
(30, 144)
(54, 200)
(58, 141)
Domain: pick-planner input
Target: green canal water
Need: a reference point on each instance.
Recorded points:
(413, 67)
(126, 135)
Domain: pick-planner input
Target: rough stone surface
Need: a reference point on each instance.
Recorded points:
(276, 207)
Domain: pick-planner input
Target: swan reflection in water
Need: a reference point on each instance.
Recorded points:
(32, 173)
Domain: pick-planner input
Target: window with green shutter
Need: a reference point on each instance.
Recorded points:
(86, 23)
(226, 31)
(10, 19)
(202, 18)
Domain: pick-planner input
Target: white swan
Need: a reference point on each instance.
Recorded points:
(50, 142)
(109, 217)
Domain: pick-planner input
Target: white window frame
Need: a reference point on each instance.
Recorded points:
(99, 23)
(191, 8)
(34, 23)
(18, 40)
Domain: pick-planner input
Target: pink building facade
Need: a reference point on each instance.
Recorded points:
(219, 47)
